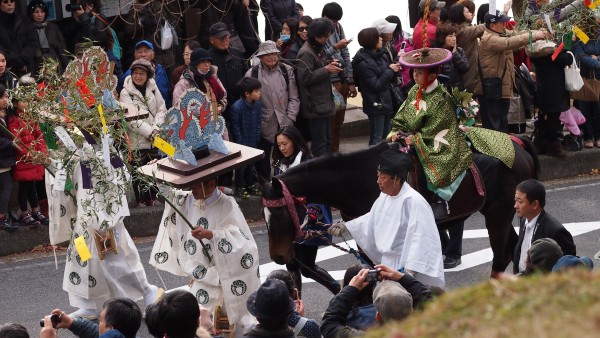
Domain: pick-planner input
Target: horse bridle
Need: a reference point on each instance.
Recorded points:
(290, 201)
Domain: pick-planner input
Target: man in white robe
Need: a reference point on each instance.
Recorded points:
(400, 229)
(230, 275)
(101, 207)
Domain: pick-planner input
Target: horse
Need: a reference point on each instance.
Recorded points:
(348, 182)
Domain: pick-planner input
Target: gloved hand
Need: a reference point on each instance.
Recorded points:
(337, 229)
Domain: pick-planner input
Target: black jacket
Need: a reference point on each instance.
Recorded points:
(7, 148)
(545, 227)
(91, 28)
(231, 69)
(56, 46)
(235, 15)
(336, 315)
(19, 39)
(276, 12)
(458, 66)
(374, 79)
(551, 95)
(257, 331)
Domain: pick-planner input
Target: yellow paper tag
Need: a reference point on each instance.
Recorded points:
(101, 112)
(594, 4)
(164, 146)
(581, 35)
(82, 249)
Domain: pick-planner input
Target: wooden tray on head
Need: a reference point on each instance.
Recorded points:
(182, 175)
(184, 168)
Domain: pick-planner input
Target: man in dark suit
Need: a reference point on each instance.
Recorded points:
(536, 223)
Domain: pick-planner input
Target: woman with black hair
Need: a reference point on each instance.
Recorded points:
(7, 161)
(302, 33)
(287, 38)
(292, 150)
(467, 37)
(51, 41)
(314, 84)
(7, 78)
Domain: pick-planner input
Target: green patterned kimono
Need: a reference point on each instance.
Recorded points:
(440, 145)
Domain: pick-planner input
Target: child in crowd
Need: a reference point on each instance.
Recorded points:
(245, 129)
(29, 144)
(7, 160)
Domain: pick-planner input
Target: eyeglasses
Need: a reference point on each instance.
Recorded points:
(302, 28)
(8, 1)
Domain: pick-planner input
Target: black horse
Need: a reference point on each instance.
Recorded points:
(348, 183)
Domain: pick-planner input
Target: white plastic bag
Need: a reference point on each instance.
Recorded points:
(573, 80)
(166, 36)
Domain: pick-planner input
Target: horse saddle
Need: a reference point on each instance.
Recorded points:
(467, 199)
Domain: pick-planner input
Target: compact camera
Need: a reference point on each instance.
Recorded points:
(55, 319)
(73, 7)
(372, 276)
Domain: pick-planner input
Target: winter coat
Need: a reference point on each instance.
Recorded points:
(590, 67)
(7, 149)
(276, 12)
(91, 28)
(145, 21)
(342, 55)
(140, 131)
(375, 77)
(280, 102)
(418, 33)
(294, 49)
(19, 39)
(30, 137)
(495, 53)
(232, 67)
(551, 95)
(245, 122)
(84, 328)
(257, 331)
(56, 46)
(186, 81)
(316, 96)
(162, 82)
(466, 38)
(235, 15)
(8, 79)
(456, 67)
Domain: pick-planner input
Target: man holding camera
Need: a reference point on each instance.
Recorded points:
(400, 229)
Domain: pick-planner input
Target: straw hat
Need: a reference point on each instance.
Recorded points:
(425, 57)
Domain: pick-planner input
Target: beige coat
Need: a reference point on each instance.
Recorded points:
(467, 38)
(496, 52)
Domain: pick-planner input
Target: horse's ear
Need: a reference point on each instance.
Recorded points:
(276, 185)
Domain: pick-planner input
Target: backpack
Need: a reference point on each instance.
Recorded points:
(354, 63)
(254, 73)
(116, 45)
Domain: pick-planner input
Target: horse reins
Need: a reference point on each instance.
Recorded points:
(288, 200)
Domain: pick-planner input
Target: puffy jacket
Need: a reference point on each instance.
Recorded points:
(495, 53)
(232, 67)
(20, 40)
(139, 131)
(29, 135)
(245, 122)
(456, 67)
(276, 12)
(375, 77)
(316, 97)
(590, 67)
(162, 82)
(7, 149)
(466, 38)
(551, 95)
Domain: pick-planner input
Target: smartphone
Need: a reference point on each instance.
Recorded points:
(402, 46)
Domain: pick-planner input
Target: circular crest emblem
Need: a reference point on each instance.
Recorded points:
(224, 246)
(92, 281)
(247, 261)
(238, 287)
(181, 200)
(174, 218)
(202, 222)
(199, 272)
(74, 278)
(190, 246)
(63, 211)
(202, 297)
(78, 259)
(161, 257)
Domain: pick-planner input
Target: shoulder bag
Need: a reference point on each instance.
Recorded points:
(491, 86)
(589, 92)
(573, 79)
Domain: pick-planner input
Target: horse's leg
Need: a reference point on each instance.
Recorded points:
(294, 269)
(306, 256)
(503, 238)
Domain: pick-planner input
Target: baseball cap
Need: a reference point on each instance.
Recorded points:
(432, 4)
(489, 18)
(218, 30)
(144, 43)
(384, 27)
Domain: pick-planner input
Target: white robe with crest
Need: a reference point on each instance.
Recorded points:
(400, 232)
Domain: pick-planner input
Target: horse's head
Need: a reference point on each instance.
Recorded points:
(283, 213)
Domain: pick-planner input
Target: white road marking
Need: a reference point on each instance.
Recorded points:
(468, 260)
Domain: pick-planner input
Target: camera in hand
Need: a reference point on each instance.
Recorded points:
(372, 276)
(55, 319)
(73, 7)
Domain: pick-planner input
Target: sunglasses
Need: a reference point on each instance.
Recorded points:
(300, 29)
(8, 1)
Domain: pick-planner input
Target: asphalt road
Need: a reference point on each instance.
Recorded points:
(31, 284)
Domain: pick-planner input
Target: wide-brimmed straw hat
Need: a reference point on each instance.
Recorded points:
(425, 57)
